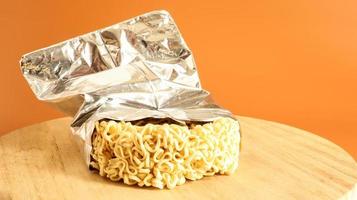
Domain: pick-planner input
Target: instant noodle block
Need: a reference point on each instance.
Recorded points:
(164, 155)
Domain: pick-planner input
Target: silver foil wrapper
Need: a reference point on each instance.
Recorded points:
(132, 70)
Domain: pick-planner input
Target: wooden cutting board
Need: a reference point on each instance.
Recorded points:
(277, 161)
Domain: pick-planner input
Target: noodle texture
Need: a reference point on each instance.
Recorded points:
(164, 155)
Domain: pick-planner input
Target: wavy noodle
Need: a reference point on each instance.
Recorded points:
(164, 155)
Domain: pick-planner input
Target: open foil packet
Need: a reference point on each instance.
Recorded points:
(132, 70)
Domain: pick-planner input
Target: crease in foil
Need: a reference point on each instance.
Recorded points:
(132, 70)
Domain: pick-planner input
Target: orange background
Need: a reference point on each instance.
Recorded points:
(289, 61)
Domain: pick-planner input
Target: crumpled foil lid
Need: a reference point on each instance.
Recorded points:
(132, 70)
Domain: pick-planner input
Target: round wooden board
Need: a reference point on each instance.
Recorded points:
(277, 161)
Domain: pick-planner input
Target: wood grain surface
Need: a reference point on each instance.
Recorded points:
(277, 161)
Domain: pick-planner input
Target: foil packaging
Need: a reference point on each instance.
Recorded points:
(132, 70)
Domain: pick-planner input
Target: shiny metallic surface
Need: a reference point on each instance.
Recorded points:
(132, 70)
